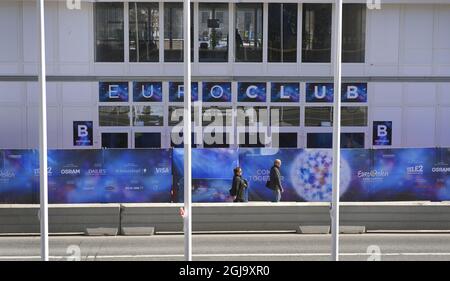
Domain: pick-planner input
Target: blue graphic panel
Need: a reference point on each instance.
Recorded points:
(209, 166)
(176, 91)
(18, 183)
(252, 92)
(113, 91)
(216, 91)
(147, 92)
(319, 92)
(83, 133)
(354, 92)
(285, 92)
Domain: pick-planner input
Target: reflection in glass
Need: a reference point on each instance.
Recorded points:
(147, 140)
(173, 32)
(318, 116)
(114, 116)
(316, 33)
(114, 140)
(214, 114)
(213, 32)
(148, 115)
(249, 32)
(354, 116)
(109, 42)
(353, 32)
(288, 116)
(282, 40)
(144, 32)
(176, 115)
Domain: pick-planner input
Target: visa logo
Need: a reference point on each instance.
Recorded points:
(162, 170)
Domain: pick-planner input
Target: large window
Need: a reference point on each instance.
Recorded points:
(144, 32)
(325, 140)
(287, 116)
(147, 140)
(319, 116)
(249, 32)
(213, 115)
(109, 42)
(114, 140)
(176, 115)
(353, 32)
(354, 116)
(282, 42)
(144, 115)
(316, 33)
(114, 116)
(173, 32)
(213, 32)
(252, 116)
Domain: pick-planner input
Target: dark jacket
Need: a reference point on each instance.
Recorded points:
(275, 178)
(239, 186)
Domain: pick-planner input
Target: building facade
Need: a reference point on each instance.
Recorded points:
(115, 73)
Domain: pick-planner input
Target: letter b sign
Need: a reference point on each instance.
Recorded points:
(82, 133)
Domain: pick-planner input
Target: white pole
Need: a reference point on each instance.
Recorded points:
(187, 133)
(43, 135)
(336, 131)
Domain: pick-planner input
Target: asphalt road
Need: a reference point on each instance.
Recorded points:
(260, 247)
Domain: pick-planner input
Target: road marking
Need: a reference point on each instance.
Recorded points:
(224, 255)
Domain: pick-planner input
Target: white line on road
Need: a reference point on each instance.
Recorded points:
(226, 255)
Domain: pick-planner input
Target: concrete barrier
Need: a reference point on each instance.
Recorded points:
(146, 219)
(73, 218)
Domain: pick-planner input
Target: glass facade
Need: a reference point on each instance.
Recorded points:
(114, 116)
(282, 33)
(213, 32)
(109, 32)
(173, 32)
(316, 45)
(353, 33)
(249, 32)
(144, 32)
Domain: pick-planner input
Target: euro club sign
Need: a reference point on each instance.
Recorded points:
(319, 92)
(285, 92)
(354, 92)
(82, 133)
(324, 92)
(216, 91)
(113, 91)
(252, 92)
(147, 92)
(176, 91)
(382, 133)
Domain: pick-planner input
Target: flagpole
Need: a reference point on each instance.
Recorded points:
(187, 133)
(43, 216)
(336, 131)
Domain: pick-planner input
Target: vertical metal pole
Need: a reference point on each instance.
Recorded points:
(187, 133)
(336, 131)
(43, 135)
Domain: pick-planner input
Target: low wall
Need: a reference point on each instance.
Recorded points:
(62, 218)
(114, 219)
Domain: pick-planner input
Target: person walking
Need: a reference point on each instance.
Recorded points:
(239, 186)
(274, 181)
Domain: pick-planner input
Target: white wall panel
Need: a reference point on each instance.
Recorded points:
(53, 124)
(11, 127)
(420, 124)
(12, 93)
(386, 93)
(419, 94)
(9, 31)
(77, 93)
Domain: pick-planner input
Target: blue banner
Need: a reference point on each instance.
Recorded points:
(285, 92)
(147, 175)
(205, 174)
(147, 92)
(113, 91)
(252, 91)
(216, 91)
(83, 133)
(176, 91)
